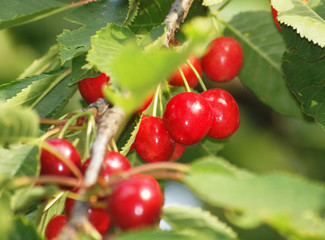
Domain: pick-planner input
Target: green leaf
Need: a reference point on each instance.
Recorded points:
(17, 12)
(92, 17)
(302, 18)
(82, 69)
(23, 229)
(46, 93)
(275, 199)
(54, 207)
(163, 235)
(261, 70)
(128, 136)
(19, 160)
(17, 124)
(49, 62)
(5, 218)
(26, 197)
(303, 65)
(180, 218)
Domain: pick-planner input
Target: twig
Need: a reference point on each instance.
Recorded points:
(175, 17)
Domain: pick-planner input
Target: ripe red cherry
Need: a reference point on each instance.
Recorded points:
(176, 79)
(55, 226)
(178, 152)
(98, 217)
(187, 118)
(223, 59)
(145, 104)
(152, 142)
(135, 202)
(113, 162)
(91, 88)
(225, 113)
(52, 165)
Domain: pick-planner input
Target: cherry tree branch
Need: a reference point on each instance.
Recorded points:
(175, 17)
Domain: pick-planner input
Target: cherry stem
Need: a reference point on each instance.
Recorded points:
(170, 175)
(52, 121)
(74, 169)
(71, 120)
(91, 127)
(57, 180)
(114, 146)
(155, 102)
(188, 89)
(197, 75)
(50, 133)
(179, 167)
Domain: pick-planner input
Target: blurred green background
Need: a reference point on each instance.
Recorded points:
(265, 141)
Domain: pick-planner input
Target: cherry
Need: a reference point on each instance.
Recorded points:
(152, 142)
(223, 59)
(145, 104)
(52, 165)
(187, 118)
(55, 226)
(178, 152)
(176, 79)
(113, 162)
(91, 88)
(275, 15)
(135, 202)
(98, 217)
(225, 113)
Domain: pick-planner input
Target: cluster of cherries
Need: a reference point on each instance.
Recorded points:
(133, 203)
(188, 117)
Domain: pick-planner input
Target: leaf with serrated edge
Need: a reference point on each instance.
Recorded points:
(266, 198)
(181, 217)
(303, 66)
(302, 18)
(19, 160)
(17, 124)
(134, 130)
(23, 229)
(93, 16)
(261, 71)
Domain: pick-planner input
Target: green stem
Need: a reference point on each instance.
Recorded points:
(188, 89)
(197, 75)
(155, 102)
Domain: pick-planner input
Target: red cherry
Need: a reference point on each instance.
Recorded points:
(98, 217)
(275, 14)
(176, 79)
(91, 88)
(145, 104)
(113, 162)
(225, 113)
(152, 142)
(55, 226)
(135, 202)
(223, 59)
(52, 165)
(187, 118)
(178, 152)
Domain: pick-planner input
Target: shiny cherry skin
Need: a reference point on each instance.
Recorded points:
(52, 165)
(152, 142)
(98, 217)
(135, 202)
(91, 88)
(176, 79)
(113, 162)
(178, 152)
(223, 59)
(225, 113)
(55, 226)
(187, 118)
